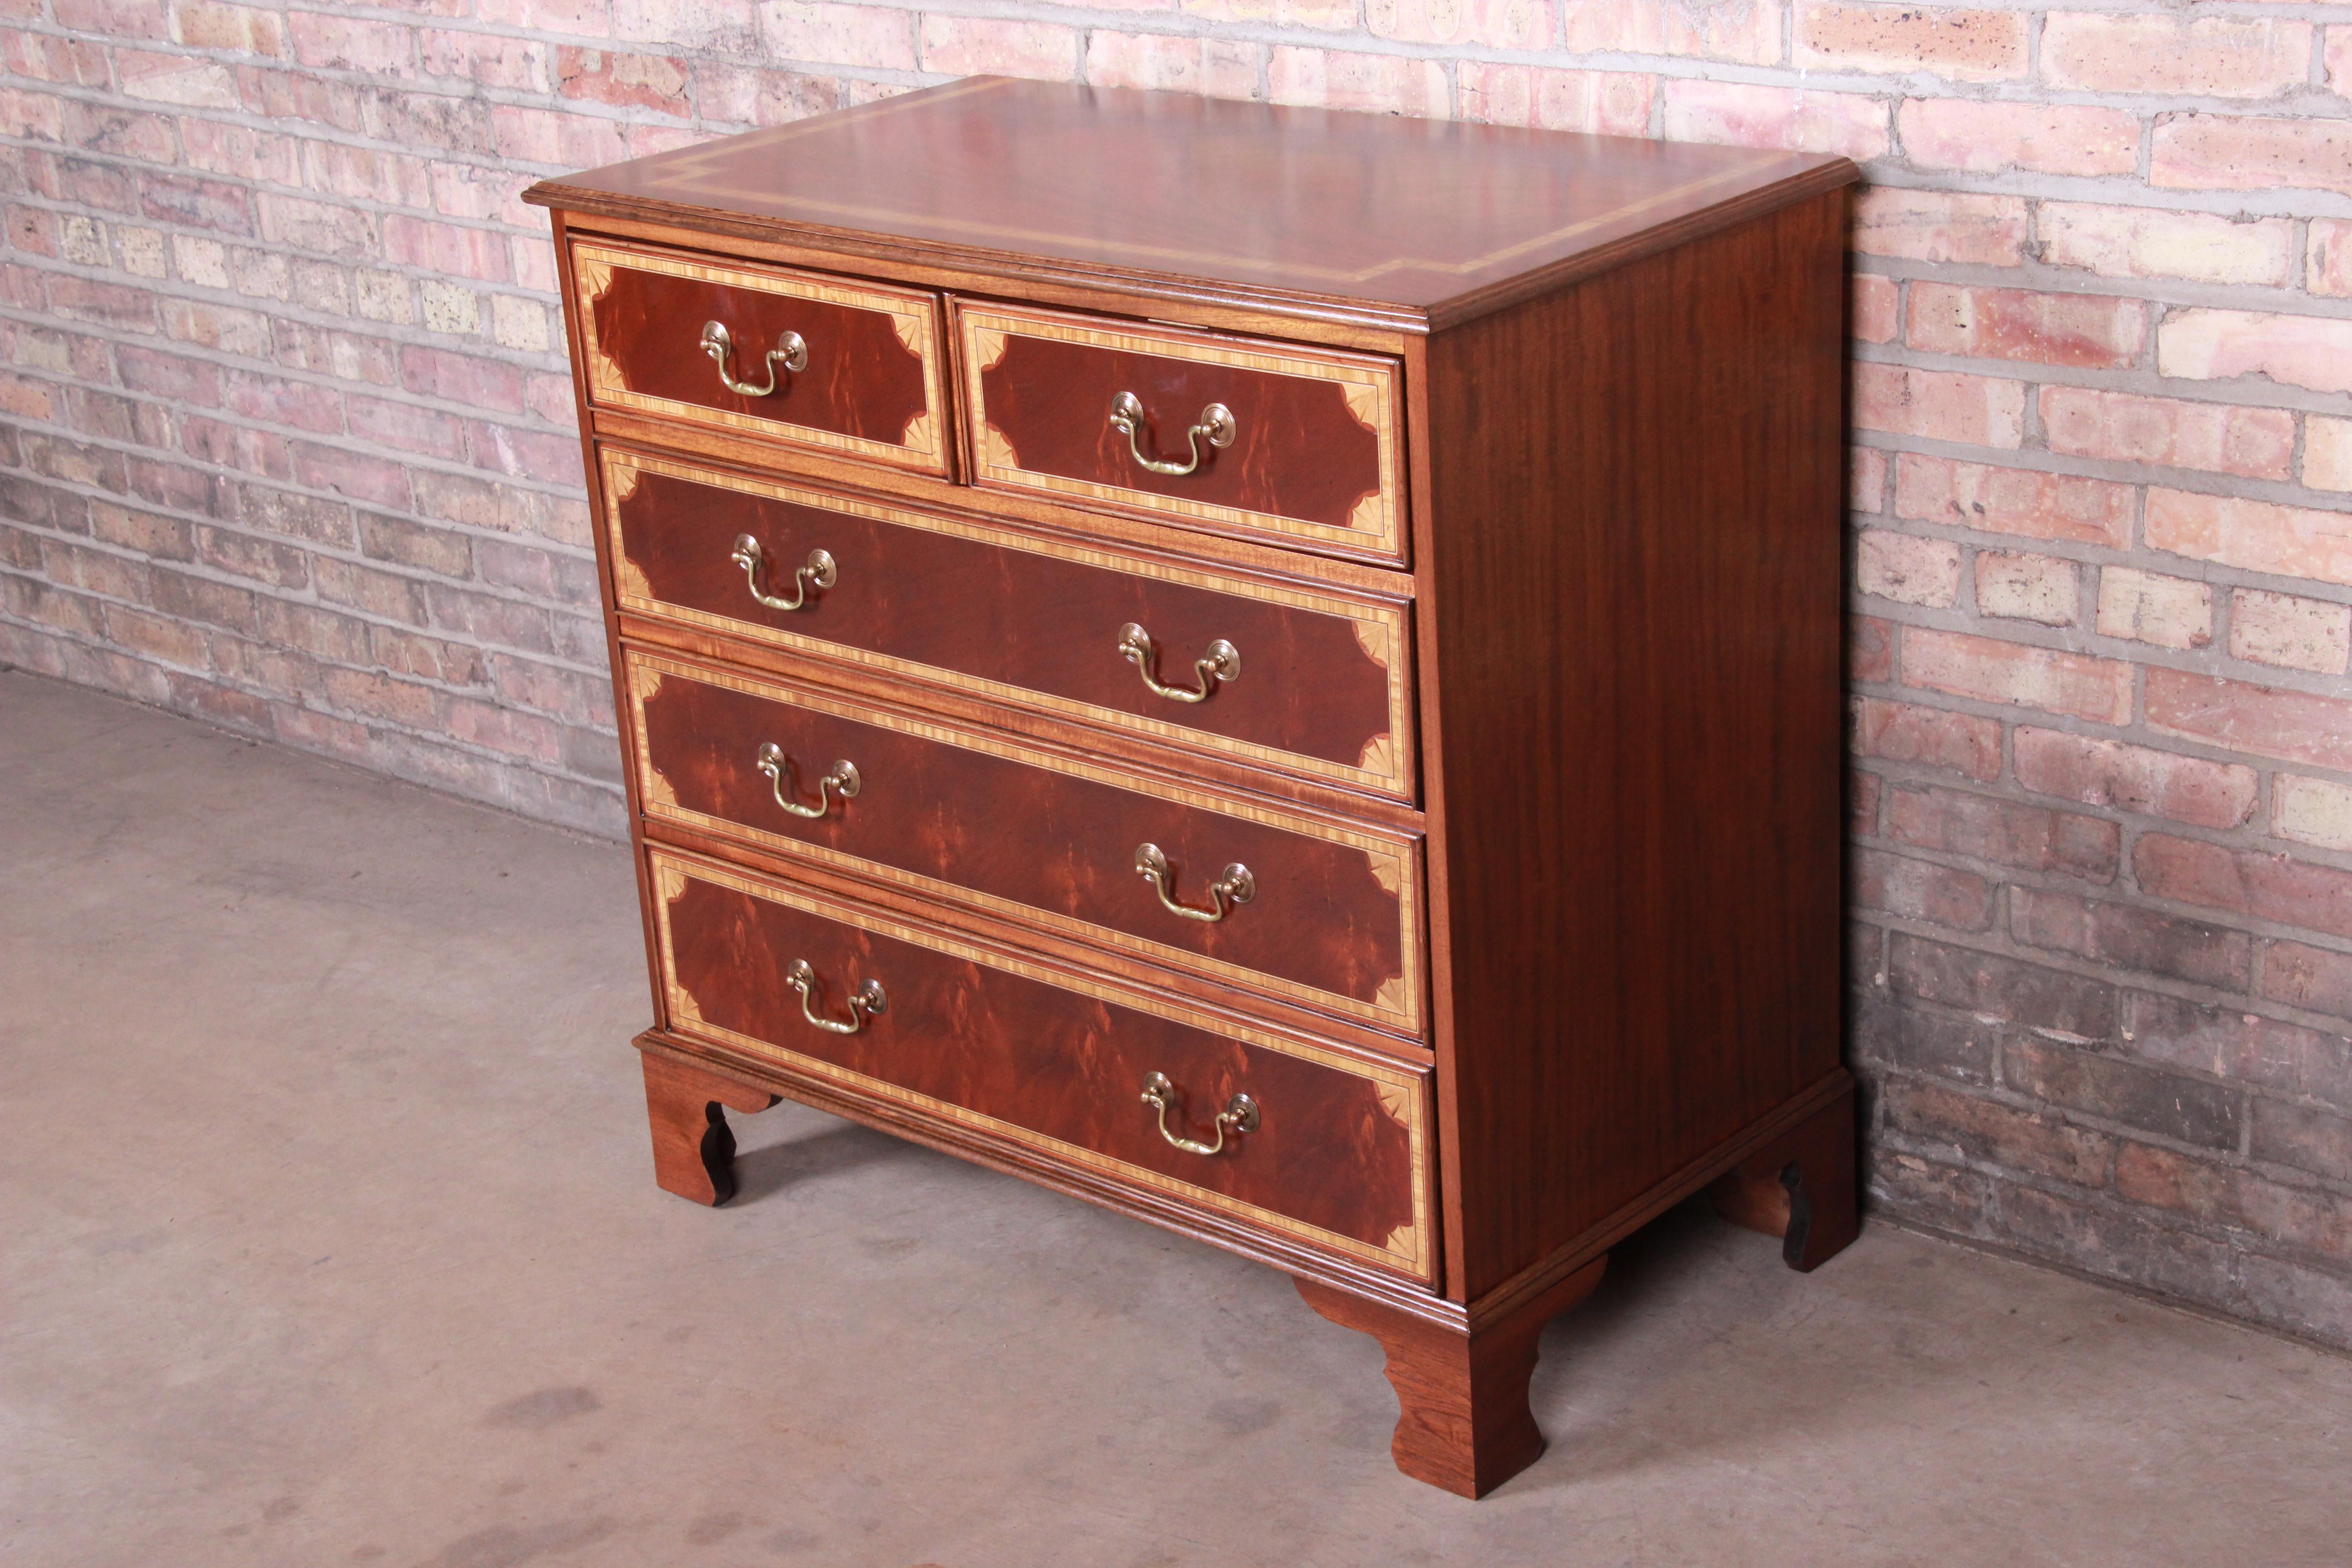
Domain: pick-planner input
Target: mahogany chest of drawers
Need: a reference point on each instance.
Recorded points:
(1272, 669)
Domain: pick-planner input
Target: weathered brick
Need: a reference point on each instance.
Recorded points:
(1336, 79)
(1927, 1039)
(1991, 671)
(2007, 832)
(966, 45)
(1906, 732)
(2146, 607)
(2293, 725)
(2246, 152)
(2258, 536)
(2245, 881)
(2148, 242)
(2206, 56)
(1940, 226)
(2186, 1109)
(2127, 427)
(2314, 810)
(1981, 138)
(2096, 331)
(1869, 648)
(2113, 1240)
(1907, 567)
(2280, 629)
(1958, 45)
(2298, 350)
(2014, 500)
(2327, 269)
(1996, 986)
(2016, 585)
(1943, 406)
(1745, 114)
(1609, 103)
(1921, 890)
(1986, 1131)
(2234, 1044)
(2121, 936)
(2302, 1139)
(2140, 778)
(157, 638)
(2220, 1195)
(2313, 978)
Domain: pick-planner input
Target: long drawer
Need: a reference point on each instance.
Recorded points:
(1308, 682)
(1328, 1149)
(1306, 909)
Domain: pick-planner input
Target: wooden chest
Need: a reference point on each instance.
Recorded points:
(1276, 670)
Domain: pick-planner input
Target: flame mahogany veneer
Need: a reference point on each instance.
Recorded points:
(1524, 535)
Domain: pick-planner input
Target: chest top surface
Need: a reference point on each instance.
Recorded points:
(1374, 210)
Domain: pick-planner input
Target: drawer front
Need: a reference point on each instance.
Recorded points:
(975, 1036)
(1329, 916)
(869, 383)
(1321, 683)
(1313, 455)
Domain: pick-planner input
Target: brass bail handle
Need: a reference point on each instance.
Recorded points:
(1216, 424)
(842, 780)
(791, 351)
(1240, 1115)
(1235, 887)
(820, 573)
(1222, 662)
(864, 1003)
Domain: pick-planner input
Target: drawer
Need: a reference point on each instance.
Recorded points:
(1316, 683)
(1323, 914)
(1305, 452)
(1053, 1062)
(868, 381)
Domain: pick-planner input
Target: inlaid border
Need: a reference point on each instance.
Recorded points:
(1402, 1092)
(913, 316)
(1386, 763)
(1368, 385)
(1394, 863)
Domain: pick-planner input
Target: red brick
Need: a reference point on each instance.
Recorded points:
(2329, 268)
(407, 427)
(1218, 67)
(625, 82)
(2146, 242)
(2013, 501)
(2233, 1043)
(1746, 114)
(1896, 40)
(2210, 57)
(1862, 794)
(2312, 978)
(2283, 629)
(2018, 586)
(1609, 103)
(2257, 536)
(349, 473)
(2294, 725)
(2297, 351)
(2246, 881)
(2258, 443)
(1940, 226)
(490, 58)
(1943, 406)
(465, 379)
(1920, 891)
(2234, 153)
(2007, 832)
(1875, 302)
(1980, 138)
(2219, 1194)
(966, 45)
(1340, 78)
(1869, 648)
(2139, 779)
(2097, 330)
(1990, 1132)
(2098, 689)
(2119, 936)
(1907, 568)
(1906, 732)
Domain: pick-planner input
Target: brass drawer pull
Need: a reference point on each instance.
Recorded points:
(1127, 418)
(864, 1003)
(842, 779)
(1240, 1115)
(791, 351)
(1223, 663)
(1235, 887)
(820, 573)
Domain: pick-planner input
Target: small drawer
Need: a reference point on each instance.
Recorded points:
(1335, 1155)
(1308, 682)
(848, 367)
(1271, 440)
(1315, 912)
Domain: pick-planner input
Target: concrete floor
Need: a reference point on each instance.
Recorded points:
(328, 1235)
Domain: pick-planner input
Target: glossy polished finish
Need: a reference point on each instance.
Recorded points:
(1362, 675)
(1248, 199)
(1026, 619)
(860, 366)
(976, 1036)
(1332, 917)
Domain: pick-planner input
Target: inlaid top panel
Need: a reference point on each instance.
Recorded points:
(1362, 207)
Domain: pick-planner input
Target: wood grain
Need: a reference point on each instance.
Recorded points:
(961, 815)
(1636, 635)
(694, 1149)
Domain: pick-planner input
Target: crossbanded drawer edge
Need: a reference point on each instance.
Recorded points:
(1404, 1091)
(1384, 769)
(1395, 857)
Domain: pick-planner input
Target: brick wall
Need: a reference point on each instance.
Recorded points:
(286, 440)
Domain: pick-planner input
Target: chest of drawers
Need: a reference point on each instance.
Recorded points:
(1273, 670)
